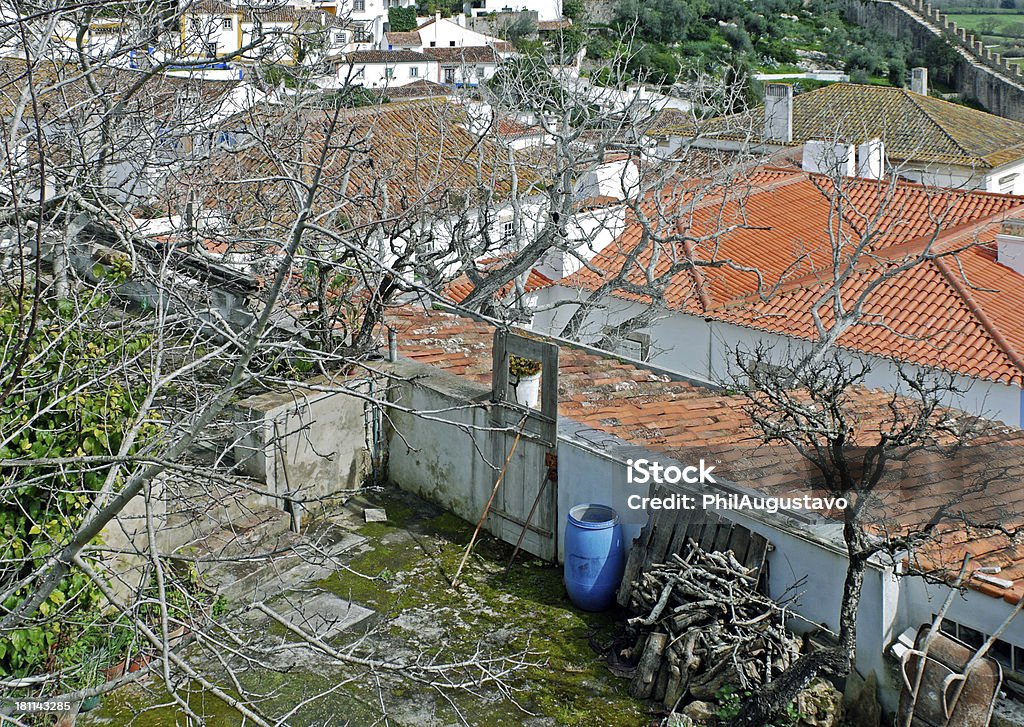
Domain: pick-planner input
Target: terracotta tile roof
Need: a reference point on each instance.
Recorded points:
(922, 316)
(510, 128)
(913, 127)
(417, 89)
(466, 54)
(687, 422)
(403, 38)
(385, 56)
(457, 290)
(63, 91)
(385, 160)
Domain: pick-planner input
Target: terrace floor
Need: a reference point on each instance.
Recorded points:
(396, 576)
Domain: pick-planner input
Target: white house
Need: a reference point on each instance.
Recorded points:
(448, 33)
(213, 29)
(464, 65)
(385, 69)
(926, 139)
(547, 10)
(365, 20)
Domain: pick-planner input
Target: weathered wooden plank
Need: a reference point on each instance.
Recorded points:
(657, 552)
(721, 543)
(681, 525)
(739, 542)
(757, 552)
(635, 561)
(696, 529)
(707, 538)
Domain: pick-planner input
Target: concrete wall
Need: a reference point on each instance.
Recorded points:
(128, 570)
(919, 601)
(306, 445)
(703, 348)
(436, 458)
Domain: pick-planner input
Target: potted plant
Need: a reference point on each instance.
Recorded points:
(524, 375)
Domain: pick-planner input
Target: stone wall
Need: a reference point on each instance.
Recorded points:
(980, 74)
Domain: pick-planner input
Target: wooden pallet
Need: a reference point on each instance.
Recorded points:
(667, 532)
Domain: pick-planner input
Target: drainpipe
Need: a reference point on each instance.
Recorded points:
(711, 337)
(392, 346)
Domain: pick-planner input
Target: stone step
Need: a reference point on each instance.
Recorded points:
(194, 511)
(260, 563)
(263, 532)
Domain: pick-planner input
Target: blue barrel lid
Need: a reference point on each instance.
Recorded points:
(592, 516)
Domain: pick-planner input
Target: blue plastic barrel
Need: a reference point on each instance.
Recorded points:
(593, 556)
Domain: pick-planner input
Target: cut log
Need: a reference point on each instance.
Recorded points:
(647, 670)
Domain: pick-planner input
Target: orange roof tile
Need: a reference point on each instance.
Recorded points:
(457, 290)
(769, 271)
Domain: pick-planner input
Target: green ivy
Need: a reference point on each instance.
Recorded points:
(729, 702)
(402, 19)
(63, 403)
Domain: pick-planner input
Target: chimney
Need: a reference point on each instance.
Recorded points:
(1010, 245)
(778, 112)
(871, 159)
(832, 158)
(919, 80)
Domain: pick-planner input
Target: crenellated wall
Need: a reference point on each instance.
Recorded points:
(980, 74)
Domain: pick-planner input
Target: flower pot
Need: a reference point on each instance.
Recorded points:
(138, 662)
(526, 391)
(114, 671)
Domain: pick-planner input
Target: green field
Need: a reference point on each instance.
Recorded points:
(1002, 30)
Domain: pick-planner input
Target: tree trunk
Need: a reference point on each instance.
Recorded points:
(772, 700)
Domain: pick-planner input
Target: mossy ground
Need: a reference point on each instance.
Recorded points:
(403, 572)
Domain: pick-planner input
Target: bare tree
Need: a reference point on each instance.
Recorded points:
(174, 243)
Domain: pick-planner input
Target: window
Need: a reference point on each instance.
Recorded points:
(971, 637)
(479, 71)
(195, 25)
(358, 73)
(389, 73)
(451, 43)
(449, 75)
(227, 23)
(1007, 183)
(508, 228)
(358, 6)
(211, 50)
(361, 34)
(339, 37)
(414, 71)
(632, 345)
(433, 44)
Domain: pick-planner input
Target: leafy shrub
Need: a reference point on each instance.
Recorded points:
(402, 20)
(62, 404)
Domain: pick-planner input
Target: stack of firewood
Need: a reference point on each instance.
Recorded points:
(702, 626)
